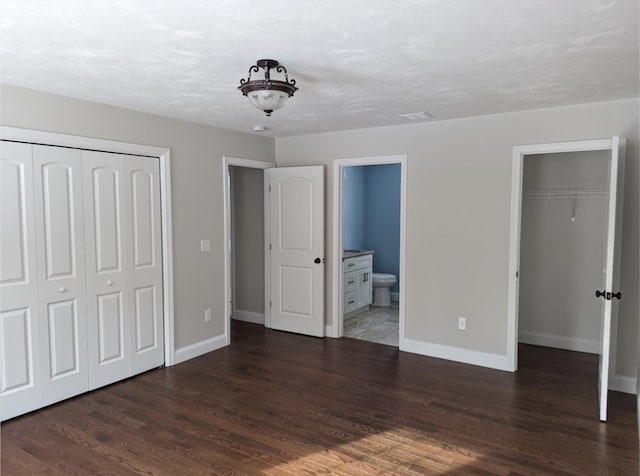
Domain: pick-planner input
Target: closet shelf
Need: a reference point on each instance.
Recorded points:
(573, 193)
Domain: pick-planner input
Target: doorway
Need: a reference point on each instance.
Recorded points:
(564, 259)
(245, 227)
(351, 248)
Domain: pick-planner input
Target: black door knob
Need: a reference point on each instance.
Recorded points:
(317, 260)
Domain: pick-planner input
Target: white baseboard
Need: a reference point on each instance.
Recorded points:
(559, 342)
(456, 354)
(622, 383)
(248, 316)
(195, 350)
(395, 296)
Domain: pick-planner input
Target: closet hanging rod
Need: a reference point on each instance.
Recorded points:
(573, 193)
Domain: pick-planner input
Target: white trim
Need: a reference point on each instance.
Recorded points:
(336, 243)
(328, 331)
(164, 155)
(248, 316)
(559, 342)
(199, 348)
(622, 383)
(395, 297)
(456, 354)
(514, 233)
(252, 164)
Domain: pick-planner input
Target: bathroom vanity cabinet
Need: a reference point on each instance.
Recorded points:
(357, 279)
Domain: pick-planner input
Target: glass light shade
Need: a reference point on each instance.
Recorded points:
(268, 99)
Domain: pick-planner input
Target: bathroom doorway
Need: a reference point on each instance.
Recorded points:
(369, 217)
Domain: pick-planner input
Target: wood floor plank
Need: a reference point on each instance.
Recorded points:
(277, 403)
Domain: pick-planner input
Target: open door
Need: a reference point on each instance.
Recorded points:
(612, 266)
(296, 238)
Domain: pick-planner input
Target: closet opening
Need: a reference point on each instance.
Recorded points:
(564, 252)
(562, 249)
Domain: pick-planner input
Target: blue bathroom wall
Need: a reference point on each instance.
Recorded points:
(382, 218)
(353, 207)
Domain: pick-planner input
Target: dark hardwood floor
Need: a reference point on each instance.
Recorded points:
(279, 403)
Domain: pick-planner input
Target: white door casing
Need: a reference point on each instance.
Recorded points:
(296, 204)
(19, 314)
(612, 266)
(61, 272)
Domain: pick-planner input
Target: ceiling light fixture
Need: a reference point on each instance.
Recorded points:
(268, 94)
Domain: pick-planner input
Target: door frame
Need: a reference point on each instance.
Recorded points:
(336, 329)
(228, 161)
(163, 154)
(519, 152)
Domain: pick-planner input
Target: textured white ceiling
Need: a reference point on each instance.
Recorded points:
(358, 63)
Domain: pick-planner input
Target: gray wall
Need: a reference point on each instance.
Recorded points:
(561, 261)
(196, 180)
(247, 196)
(458, 206)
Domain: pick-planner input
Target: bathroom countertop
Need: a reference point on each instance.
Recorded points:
(355, 253)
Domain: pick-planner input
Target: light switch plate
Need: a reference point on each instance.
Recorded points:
(205, 245)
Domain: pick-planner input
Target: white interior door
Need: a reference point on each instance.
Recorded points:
(108, 293)
(612, 267)
(61, 271)
(20, 389)
(142, 196)
(296, 205)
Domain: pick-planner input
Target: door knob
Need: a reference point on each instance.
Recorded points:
(109, 283)
(62, 289)
(317, 261)
(609, 295)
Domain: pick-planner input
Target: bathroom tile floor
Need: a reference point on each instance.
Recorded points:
(378, 324)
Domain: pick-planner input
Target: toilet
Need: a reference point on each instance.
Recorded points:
(382, 284)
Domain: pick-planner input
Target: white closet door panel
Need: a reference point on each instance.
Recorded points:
(20, 389)
(143, 195)
(57, 175)
(108, 284)
(64, 346)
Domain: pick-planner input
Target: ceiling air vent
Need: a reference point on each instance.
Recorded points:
(416, 116)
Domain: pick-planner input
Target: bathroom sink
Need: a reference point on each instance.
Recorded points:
(352, 251)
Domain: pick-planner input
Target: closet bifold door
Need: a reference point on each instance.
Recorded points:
(20, 388)
(57, 174)
(108, 283)
(145, 266)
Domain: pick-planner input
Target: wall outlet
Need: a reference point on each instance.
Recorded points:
(207, 315)
(462, 323)
(205, 246)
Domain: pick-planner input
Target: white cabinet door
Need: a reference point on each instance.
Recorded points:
(108, 294)
(19, 330)
(145, 312)
(363, 287)
(61, 272)
(296, 202)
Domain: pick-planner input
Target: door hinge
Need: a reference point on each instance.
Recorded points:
(269, 187)
(269, 245)
(269, 303)
(517, 274)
